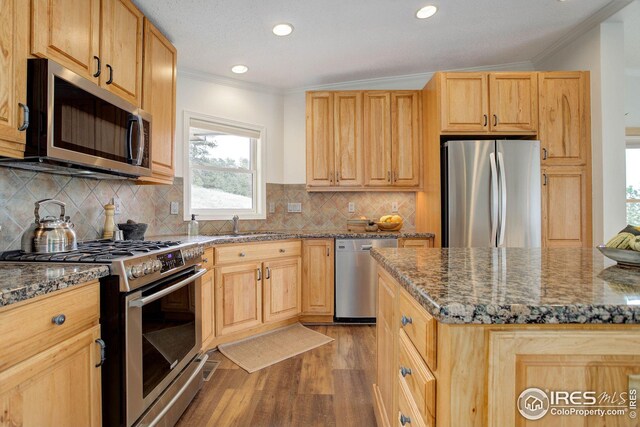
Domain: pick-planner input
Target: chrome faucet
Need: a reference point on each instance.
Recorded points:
(236, 224)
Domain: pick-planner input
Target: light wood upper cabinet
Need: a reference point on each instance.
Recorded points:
(464, 102)
(566, 221)
(347, 123)
(14, 51)
(377, 136)
(121, 49)
(317, 277)
(564, 118)
(513, 102)
(238, 297)
(489, 102)
(68, 31)
(282, 289)
(320, 144)
(405, 138)
(159, 99)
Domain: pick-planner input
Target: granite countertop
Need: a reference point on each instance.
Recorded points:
(21, 281)
(516, 285)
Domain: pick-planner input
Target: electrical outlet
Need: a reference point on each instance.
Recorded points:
(174, 208)
(272, 207)
(294, 207)
(352, 207)
(394, 207)
(118, 205)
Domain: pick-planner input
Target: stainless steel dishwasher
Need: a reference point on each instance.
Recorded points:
(356, 299)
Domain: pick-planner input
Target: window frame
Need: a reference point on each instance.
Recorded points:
(258, 151)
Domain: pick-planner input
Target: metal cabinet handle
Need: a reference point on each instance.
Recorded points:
(395, 176)
(404, 419)
(59, 319)
(486, 120)
(405, 371)
(242, 254)
(205, 259)
(110, 74)
(328, 250)
(25, 117)
(406, 320)
(337, 176)
(259, 270)
(544, 154)
(495, 120)
(268, 270)
(282, 250)
(389, 176)
(103, 355)
(99, 69)
(544, 179)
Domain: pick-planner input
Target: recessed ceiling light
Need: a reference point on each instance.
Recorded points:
(283, 29)
(426, 12)
(239, 69)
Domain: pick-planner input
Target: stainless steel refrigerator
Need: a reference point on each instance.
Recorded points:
(491, 193)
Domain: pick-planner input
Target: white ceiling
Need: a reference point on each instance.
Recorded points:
(343, 40)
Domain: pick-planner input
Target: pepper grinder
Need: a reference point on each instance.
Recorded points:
(109, 221)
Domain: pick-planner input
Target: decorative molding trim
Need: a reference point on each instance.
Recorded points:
(585, 26)
(632, 131)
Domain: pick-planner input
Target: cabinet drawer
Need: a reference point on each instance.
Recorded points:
(207, 259)
(418, 378)
(420, 327)
(257, 251)
(29, 329)
(408, 414)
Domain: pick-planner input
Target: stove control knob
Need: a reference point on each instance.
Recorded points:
(137, 271)
(188, 254)
(148, 267)
(157, 265)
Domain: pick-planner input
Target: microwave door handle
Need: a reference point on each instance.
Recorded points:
(138, 161)
(141, 302)
(130, 138)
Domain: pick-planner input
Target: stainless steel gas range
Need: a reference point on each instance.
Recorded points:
(149, 322)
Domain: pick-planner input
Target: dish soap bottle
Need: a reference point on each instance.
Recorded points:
(192, 227)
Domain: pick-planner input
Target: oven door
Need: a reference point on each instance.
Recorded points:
(162, 337)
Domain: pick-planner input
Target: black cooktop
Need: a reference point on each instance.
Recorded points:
(93, 251)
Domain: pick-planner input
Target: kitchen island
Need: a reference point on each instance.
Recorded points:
(497, 337)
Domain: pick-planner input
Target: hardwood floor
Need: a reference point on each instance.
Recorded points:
(327, 386)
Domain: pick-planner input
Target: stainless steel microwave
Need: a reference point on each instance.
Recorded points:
(78, 128)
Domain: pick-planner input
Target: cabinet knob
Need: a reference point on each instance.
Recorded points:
(282, 251)
(406, 320)
(405, 371)
(59, 319)
(404, 420)
(205, 259)
(241, 254)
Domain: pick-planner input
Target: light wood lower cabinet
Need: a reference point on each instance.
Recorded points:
(415, 243)
(281, 297)
(207, 308)
(238, 297)
(317, 277)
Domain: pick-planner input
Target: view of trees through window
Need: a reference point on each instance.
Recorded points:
(222, 172)
(633, 186)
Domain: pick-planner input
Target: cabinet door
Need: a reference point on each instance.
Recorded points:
(377, 139)
(238, 297)
(58, 387)
(159, 99)
(14, 50)
(564, 118)
(347, 124)
(68, 31)
(405, 136)
(121, 50)
(415, 243)
(207, 308)
(565, 208)
(513, 101)
(282, 289)
(320, 158)
(317, 277)
(464, 102)
(386, 346)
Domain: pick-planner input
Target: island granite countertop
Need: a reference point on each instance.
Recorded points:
(516, 285)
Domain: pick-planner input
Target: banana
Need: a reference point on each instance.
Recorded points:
(620, 241)
(634, 243)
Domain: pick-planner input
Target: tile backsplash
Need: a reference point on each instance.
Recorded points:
(85, 198)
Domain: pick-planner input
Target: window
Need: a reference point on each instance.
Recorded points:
(633, 182)
(223, 169)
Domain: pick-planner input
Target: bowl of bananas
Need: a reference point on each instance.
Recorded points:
(624, 247)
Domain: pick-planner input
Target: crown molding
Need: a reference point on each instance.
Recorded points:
(582, 28)
(227, 81)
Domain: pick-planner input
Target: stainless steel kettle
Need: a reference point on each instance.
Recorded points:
(49, 234)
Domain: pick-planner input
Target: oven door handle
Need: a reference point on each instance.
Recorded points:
(141, 302)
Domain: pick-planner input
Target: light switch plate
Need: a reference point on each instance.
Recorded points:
(174, 208)
(272, 207)
(294, 207)
(118, 206)
(352, 207)
(394, 207)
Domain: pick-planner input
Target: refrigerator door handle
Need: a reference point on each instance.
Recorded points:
(494, 199)
(503, 199)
